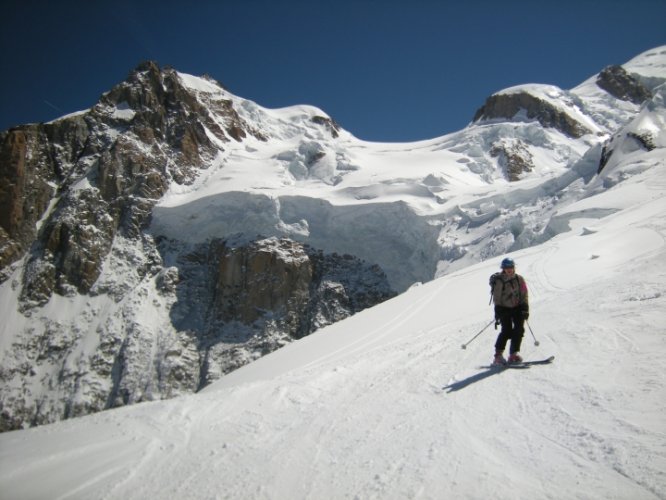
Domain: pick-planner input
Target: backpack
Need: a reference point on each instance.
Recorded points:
(493, 279)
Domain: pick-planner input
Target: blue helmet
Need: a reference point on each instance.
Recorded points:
(508, 262)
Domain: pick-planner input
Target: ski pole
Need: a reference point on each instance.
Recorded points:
(464, 346)
(536, 342)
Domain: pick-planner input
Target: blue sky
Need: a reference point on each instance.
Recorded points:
(384, 70)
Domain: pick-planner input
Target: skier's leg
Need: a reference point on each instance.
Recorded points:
(517, 331)
(505, 333)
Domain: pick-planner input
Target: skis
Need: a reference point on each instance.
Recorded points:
(530, 363)
(537, 362)
(522, 364)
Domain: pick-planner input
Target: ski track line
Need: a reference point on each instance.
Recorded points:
(409, 341)
(148, 458)
(71, 454)
(374, 336)
(78, 454)
(92, 482)
(412, 353)
(538, 272)
(160, 448)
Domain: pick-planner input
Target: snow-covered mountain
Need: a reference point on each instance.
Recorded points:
(175, 232)
(386, 405)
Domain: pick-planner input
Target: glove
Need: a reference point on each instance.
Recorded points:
(526, 313)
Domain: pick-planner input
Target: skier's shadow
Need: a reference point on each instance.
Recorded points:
(490, 371)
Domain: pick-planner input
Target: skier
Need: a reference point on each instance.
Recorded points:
(509, 293)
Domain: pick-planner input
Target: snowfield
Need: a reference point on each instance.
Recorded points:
(386, 404)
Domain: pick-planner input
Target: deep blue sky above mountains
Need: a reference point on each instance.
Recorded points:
(386, 70)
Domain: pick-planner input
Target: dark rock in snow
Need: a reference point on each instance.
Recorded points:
(507, 106)
(617, 82)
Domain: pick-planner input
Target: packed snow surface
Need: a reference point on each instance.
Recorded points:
(386, 404)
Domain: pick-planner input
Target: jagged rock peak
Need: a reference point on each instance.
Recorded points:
(162, 100)
(151, 66)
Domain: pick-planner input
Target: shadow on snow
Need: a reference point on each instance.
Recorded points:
(489, 372)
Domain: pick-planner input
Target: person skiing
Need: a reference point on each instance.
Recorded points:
(509, 294)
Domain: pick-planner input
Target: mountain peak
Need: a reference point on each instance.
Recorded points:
(148, 65)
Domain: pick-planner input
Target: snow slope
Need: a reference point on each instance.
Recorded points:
(386, 405)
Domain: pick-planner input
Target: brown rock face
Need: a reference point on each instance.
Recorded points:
(514, 157)
(285, 283)
(25, 191)
(506, 106)
(266, 276)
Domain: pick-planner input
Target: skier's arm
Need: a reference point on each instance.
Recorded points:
(524, 298)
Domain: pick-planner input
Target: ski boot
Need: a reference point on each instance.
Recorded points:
(515, 358)
(499, 359)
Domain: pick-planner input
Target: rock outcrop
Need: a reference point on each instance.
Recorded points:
(617, 82)
(31, 160)
(507, 105)
(514, 157)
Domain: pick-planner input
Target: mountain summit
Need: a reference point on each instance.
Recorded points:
(174, 232)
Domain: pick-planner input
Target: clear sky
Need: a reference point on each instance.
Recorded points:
(386, 70)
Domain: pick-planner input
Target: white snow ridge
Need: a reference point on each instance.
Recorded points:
(385, 404)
